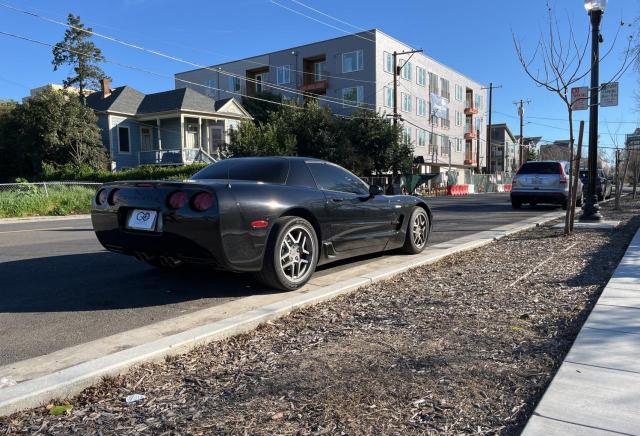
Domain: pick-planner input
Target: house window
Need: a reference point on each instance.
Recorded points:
(388, 62)
(406, 71)
(421, 75)
(283, 74)
(422, 107)
(406, 135)
(458, 92)
(146, 139)
(433, 83)
(458, 145)
(444, 145)
(352, 61)
(388, 96)
(352, 96)
(319, 69)
(446, 123)
(422, 138)
(124, 145)
(211, 87)
(234, 84)
(406, 103)
(458, 118)
(444, 88)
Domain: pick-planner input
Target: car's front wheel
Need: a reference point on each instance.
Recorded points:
(417, 231)
(291, 255)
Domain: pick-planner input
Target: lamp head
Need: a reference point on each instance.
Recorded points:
(595, 5)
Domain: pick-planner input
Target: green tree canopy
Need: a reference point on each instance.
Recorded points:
(51, 127)
(77, 50)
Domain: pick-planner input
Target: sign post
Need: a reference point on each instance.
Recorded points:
(580, 98)
(609, 94)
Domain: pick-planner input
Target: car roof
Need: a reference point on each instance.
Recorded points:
(306, 159)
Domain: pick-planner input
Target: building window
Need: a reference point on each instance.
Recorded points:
(446, 123)
(433, 143)
(422, 107)
(319, 71)
(352, 61)
(478, 101)
(388, 96)
(406, 71)
(444, 88)
(124, 145)
(433, 119)
(444, 145)
(406, 103)
(421, 76)
(388, 62)
(211, 88)
(458, 145)
(458, 92)
(146, 139)
(284, 74)
(352, 96)
(234, 84)
(433, 83)
(406, 135)
(458, 118)
(422, 138)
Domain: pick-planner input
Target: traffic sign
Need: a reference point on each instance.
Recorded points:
(609, 94)
(580, 98)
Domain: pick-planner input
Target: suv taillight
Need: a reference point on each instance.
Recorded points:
(563, 176)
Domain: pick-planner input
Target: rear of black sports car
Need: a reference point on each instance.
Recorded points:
(162, 222)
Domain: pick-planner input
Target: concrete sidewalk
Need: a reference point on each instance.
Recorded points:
(597, 388)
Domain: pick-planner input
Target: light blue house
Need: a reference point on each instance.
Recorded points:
(174, 127)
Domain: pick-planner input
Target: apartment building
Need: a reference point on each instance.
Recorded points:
(356, 70)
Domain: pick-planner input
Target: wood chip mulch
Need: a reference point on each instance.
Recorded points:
(467, 345)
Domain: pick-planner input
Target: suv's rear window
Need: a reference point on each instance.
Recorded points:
(540, 168)
(266, 170)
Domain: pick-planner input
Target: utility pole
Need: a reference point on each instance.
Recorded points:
(520, 105)
(396, 72)
(489, 147)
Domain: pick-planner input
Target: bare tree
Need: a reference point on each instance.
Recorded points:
(557, 64)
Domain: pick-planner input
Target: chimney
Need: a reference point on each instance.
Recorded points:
(105, 84)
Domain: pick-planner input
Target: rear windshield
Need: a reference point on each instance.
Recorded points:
(266, 170)
(540, 168)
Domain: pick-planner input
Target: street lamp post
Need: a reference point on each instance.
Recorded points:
(591, 209)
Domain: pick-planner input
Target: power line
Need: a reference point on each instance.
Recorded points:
(178, 59)
(330, 16)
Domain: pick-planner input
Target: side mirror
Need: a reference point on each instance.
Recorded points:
(375, 190)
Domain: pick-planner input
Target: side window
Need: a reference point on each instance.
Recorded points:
(333, 178)
(299, 175)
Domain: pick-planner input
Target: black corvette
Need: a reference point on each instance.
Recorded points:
(274, 216)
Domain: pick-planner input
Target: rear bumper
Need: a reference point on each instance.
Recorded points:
(539, 197)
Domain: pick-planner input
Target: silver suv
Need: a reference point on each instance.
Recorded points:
(542, 182)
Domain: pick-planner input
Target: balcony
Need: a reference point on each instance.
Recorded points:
(470, 134)
(469, 161)
(315, 86)
(470, 110)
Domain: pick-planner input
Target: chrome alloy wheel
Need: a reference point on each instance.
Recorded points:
(296, 254)
(419, 229)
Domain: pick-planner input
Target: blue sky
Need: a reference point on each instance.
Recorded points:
(471, 36)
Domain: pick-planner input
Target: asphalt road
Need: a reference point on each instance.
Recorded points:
(59, 287)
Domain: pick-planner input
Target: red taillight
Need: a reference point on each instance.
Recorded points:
(563, 176)
(202, 201)
(259, 224)
(101, 198)
(177, 199)
(114, 197)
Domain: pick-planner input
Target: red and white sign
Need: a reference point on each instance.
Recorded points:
(580, 98)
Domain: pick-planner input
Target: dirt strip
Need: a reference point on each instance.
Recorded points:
(467, 345)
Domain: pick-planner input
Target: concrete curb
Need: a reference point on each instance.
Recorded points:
(70, 381)
(39, 219)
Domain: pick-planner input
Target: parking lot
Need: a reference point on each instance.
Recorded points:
(60, 288)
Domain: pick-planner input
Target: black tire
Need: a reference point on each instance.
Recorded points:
(565, 205)
(282, 277)
(515, 204)
(579, 201)
(418, 229)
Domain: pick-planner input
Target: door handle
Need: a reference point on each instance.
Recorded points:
(337, 200)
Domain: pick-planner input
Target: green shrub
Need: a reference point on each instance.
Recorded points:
(33, 200)
(146, 172)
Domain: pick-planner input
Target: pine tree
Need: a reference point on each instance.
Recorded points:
(77, 50)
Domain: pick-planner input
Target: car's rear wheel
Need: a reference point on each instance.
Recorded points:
(417, 231)
(291, 255)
